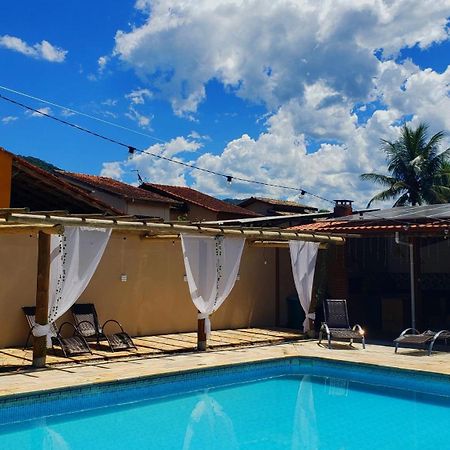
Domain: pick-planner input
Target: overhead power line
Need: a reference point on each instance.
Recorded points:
(74, 111)
(132, 149)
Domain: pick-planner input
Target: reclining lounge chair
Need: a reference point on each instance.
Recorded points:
(336, 324)
(86, 320)
(70, 346)
(411, 337)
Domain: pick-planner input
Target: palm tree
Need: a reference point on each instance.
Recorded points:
(418, 172)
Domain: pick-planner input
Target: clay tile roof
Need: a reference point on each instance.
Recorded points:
(275, 202)
(112, 186)
(60, 185)
(369, 227)
(190, 195)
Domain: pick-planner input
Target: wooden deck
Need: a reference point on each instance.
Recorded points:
(12, 359)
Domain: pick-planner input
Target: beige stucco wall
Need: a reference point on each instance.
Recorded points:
(154, 300)
(156, 209)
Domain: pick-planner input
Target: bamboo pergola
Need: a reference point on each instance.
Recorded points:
(20, 220)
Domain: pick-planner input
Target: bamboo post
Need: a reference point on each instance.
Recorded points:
(43, 279)
(201, 335)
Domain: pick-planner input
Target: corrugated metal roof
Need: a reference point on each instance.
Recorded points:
(405, 213)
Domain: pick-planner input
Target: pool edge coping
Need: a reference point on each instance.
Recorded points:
(5, 397)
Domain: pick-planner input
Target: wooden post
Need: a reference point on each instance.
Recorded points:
(277, 287)
(417, 272)
(201, 335)
(43, 280)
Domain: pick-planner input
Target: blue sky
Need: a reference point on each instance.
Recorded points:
(284, 92)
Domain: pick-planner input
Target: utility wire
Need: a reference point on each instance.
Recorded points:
(132, 150)
(74, 111)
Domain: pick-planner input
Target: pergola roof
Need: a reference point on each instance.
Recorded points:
(16, 220)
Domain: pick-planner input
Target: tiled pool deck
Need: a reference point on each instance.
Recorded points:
(87, 373)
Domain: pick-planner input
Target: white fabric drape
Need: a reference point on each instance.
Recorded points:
(74, 257)
(212, 265)
(303, 260)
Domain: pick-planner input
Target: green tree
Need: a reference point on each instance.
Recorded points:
(418, 172)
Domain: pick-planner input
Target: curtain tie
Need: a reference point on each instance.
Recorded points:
(306, 326)
(42, 330)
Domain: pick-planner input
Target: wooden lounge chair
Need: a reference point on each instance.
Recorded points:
(412, 337)
(86, 320)
(336, 325)
(70, 346)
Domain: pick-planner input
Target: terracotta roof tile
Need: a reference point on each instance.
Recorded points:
(190, 195)
(117, 187)
(57, 183)
(347, 227)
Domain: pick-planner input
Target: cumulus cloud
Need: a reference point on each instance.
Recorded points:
(326, 72)
(112, 170)
(158, 170)
(268, 51)
(45, 110)
(43, 50)
(8, 119)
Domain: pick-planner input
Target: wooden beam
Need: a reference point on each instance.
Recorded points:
(279, 244)
(43, 281)
(20, 229)
(167, 228)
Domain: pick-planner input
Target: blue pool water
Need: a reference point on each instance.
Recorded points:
(292, 404)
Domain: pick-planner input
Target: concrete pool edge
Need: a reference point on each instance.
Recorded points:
(202, 369)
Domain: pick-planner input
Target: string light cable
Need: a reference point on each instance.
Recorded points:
(132, 149)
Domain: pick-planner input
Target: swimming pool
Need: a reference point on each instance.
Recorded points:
(285, 404)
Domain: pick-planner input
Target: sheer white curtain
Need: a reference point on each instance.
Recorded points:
(212, 265)
(303, 260)
(74, 257)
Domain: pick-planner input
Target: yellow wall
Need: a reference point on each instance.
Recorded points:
(154, 300)
(5, 179)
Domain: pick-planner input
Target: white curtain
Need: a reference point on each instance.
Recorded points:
(303, 260)
(212, 265)
(74, 257)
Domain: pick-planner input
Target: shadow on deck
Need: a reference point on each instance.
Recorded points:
(16, 359)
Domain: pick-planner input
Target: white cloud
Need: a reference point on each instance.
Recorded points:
(112, 170)
(102, 62)
(45, 110)
(8, 119)
(67, 113)
(269, 50)
(312, 65)
(138, 96)
(158, 170)
(110, 102)
(43, 50)
(142, 120)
